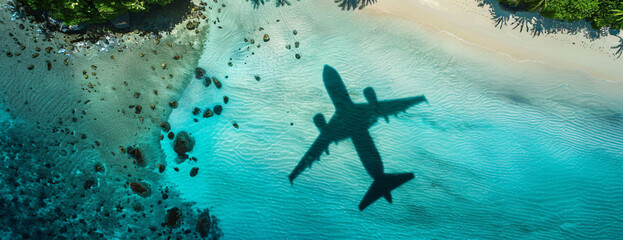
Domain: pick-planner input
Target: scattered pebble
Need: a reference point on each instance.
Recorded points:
(173, 104)
(208, 113)
(217, 83)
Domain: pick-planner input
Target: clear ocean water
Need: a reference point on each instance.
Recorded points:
(504, 149)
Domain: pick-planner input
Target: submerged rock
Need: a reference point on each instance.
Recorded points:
(88, 184)
(196, 111)
(204, 223)
(183, 143)
(217, 83)
(194, 171)
(173, 218)
(199, 72)
(138, 155)
(218, 109)
(207, 81)
(208, 113)
(141, 188)
(165, 126)
(99, 168)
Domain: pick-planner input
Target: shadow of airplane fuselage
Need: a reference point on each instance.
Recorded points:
(352, 120)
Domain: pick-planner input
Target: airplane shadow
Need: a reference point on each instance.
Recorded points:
(353, 120)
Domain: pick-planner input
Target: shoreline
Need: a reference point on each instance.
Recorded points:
(470, 25)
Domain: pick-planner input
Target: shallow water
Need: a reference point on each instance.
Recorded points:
(502, 150)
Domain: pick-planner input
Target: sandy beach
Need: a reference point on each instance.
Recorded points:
(472, 26)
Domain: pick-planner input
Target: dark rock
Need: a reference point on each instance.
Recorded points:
(218, 109)
(49, 64)
(171, 135)
(141, 188)
(9, 54)
(225, 99)
(173, 218)
(191, 25)
(137, 94)
(208, 113)
(196, 111)
(31, 67)
(99, 168)
(204, 223)
(165, 126)
(138, 109)
(294, 32)
(194, 171)
(217, 83)
(161, 168)
(138, 155)
(298, 56)
(296, 44)
(183, 143)
(257, 78)
(173, 104)
(199, 72)
(48, 49)
(207, 81)
(88, 184)
(235, 125)
(266, 38)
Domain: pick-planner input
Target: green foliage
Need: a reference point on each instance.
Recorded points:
(601, 13)
(90, 11)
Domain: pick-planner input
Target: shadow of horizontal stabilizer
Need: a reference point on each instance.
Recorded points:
(382, 187)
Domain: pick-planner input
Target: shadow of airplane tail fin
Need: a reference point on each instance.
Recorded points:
(382, 187)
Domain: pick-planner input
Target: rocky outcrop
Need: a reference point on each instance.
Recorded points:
(141, 188)
(204, 224)
(183, 143)
(173, 218)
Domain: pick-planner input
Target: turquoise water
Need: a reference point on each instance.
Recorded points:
(503, 149)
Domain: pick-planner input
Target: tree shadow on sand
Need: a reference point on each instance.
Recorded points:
(278, 3)
(619, 48)
(344, 4)
(535, 24)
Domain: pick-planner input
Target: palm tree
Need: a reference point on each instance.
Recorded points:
(537, 4)
(618, 15)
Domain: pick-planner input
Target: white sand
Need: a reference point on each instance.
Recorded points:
(472, 26)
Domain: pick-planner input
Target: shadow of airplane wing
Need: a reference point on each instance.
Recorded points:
(392, 107)
(320, 145)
